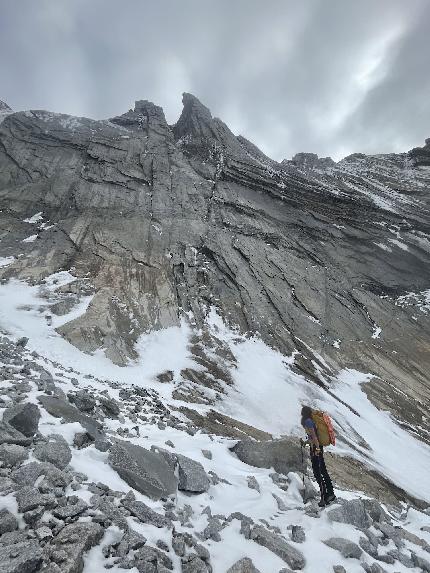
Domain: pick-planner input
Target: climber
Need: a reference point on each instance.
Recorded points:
(317, 457)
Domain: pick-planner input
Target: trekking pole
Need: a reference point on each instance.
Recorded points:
(303, 464)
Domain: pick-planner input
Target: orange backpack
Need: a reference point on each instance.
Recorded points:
(325, 430)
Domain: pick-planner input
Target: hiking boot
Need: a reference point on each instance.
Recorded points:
(329, 498)
(322, 502)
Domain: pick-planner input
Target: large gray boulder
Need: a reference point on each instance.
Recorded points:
(21, 557)
(72, 541)
(277, 544)
(283, 455)
(147, 472)
(192, 475)
(23, 417)
(56, 451)
(244, 565)
(345, 547)
(352, 512)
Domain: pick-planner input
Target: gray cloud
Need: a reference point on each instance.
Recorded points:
(330, 77)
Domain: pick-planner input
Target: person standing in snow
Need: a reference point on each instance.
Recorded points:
(317, 458)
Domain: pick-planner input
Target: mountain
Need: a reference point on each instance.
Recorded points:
(232, 288)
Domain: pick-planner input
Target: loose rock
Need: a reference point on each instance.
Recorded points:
(244, 565)
(8, 521)
(56, 451)
(345, 547)
(275, 543)
(23, 417)
(192, 476)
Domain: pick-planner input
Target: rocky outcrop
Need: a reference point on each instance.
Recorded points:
(420, 156)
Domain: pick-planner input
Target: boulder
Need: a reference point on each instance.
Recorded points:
(72, 541)
(283, 455)
(192, 476)
(8, 521)
(130, 541)
(12, 454)
(8, 435)
(109, 406)
(82, 400)
(194, 564)
(62, 409)
(23, 417)
(253, 483)
(111, 511)
(421, 563)
(145, 514)
(352, 512)
(27, 475)
(345, 547)
(244, 565)
(20, 557)
(277, 544)
(147, 472)
(56, 451)
(298, 534)
(147, 556)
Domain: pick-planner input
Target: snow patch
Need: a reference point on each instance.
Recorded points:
(35, 218)
(30, 239)
(5, 261)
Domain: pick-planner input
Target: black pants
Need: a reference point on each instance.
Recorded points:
(321, 474)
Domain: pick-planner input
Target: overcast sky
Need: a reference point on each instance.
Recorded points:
(328, 76)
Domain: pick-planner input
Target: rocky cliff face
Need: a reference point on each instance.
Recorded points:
(329, 261)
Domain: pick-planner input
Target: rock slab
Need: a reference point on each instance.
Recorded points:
(284, 455)
(145, 471)
(275, 543)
